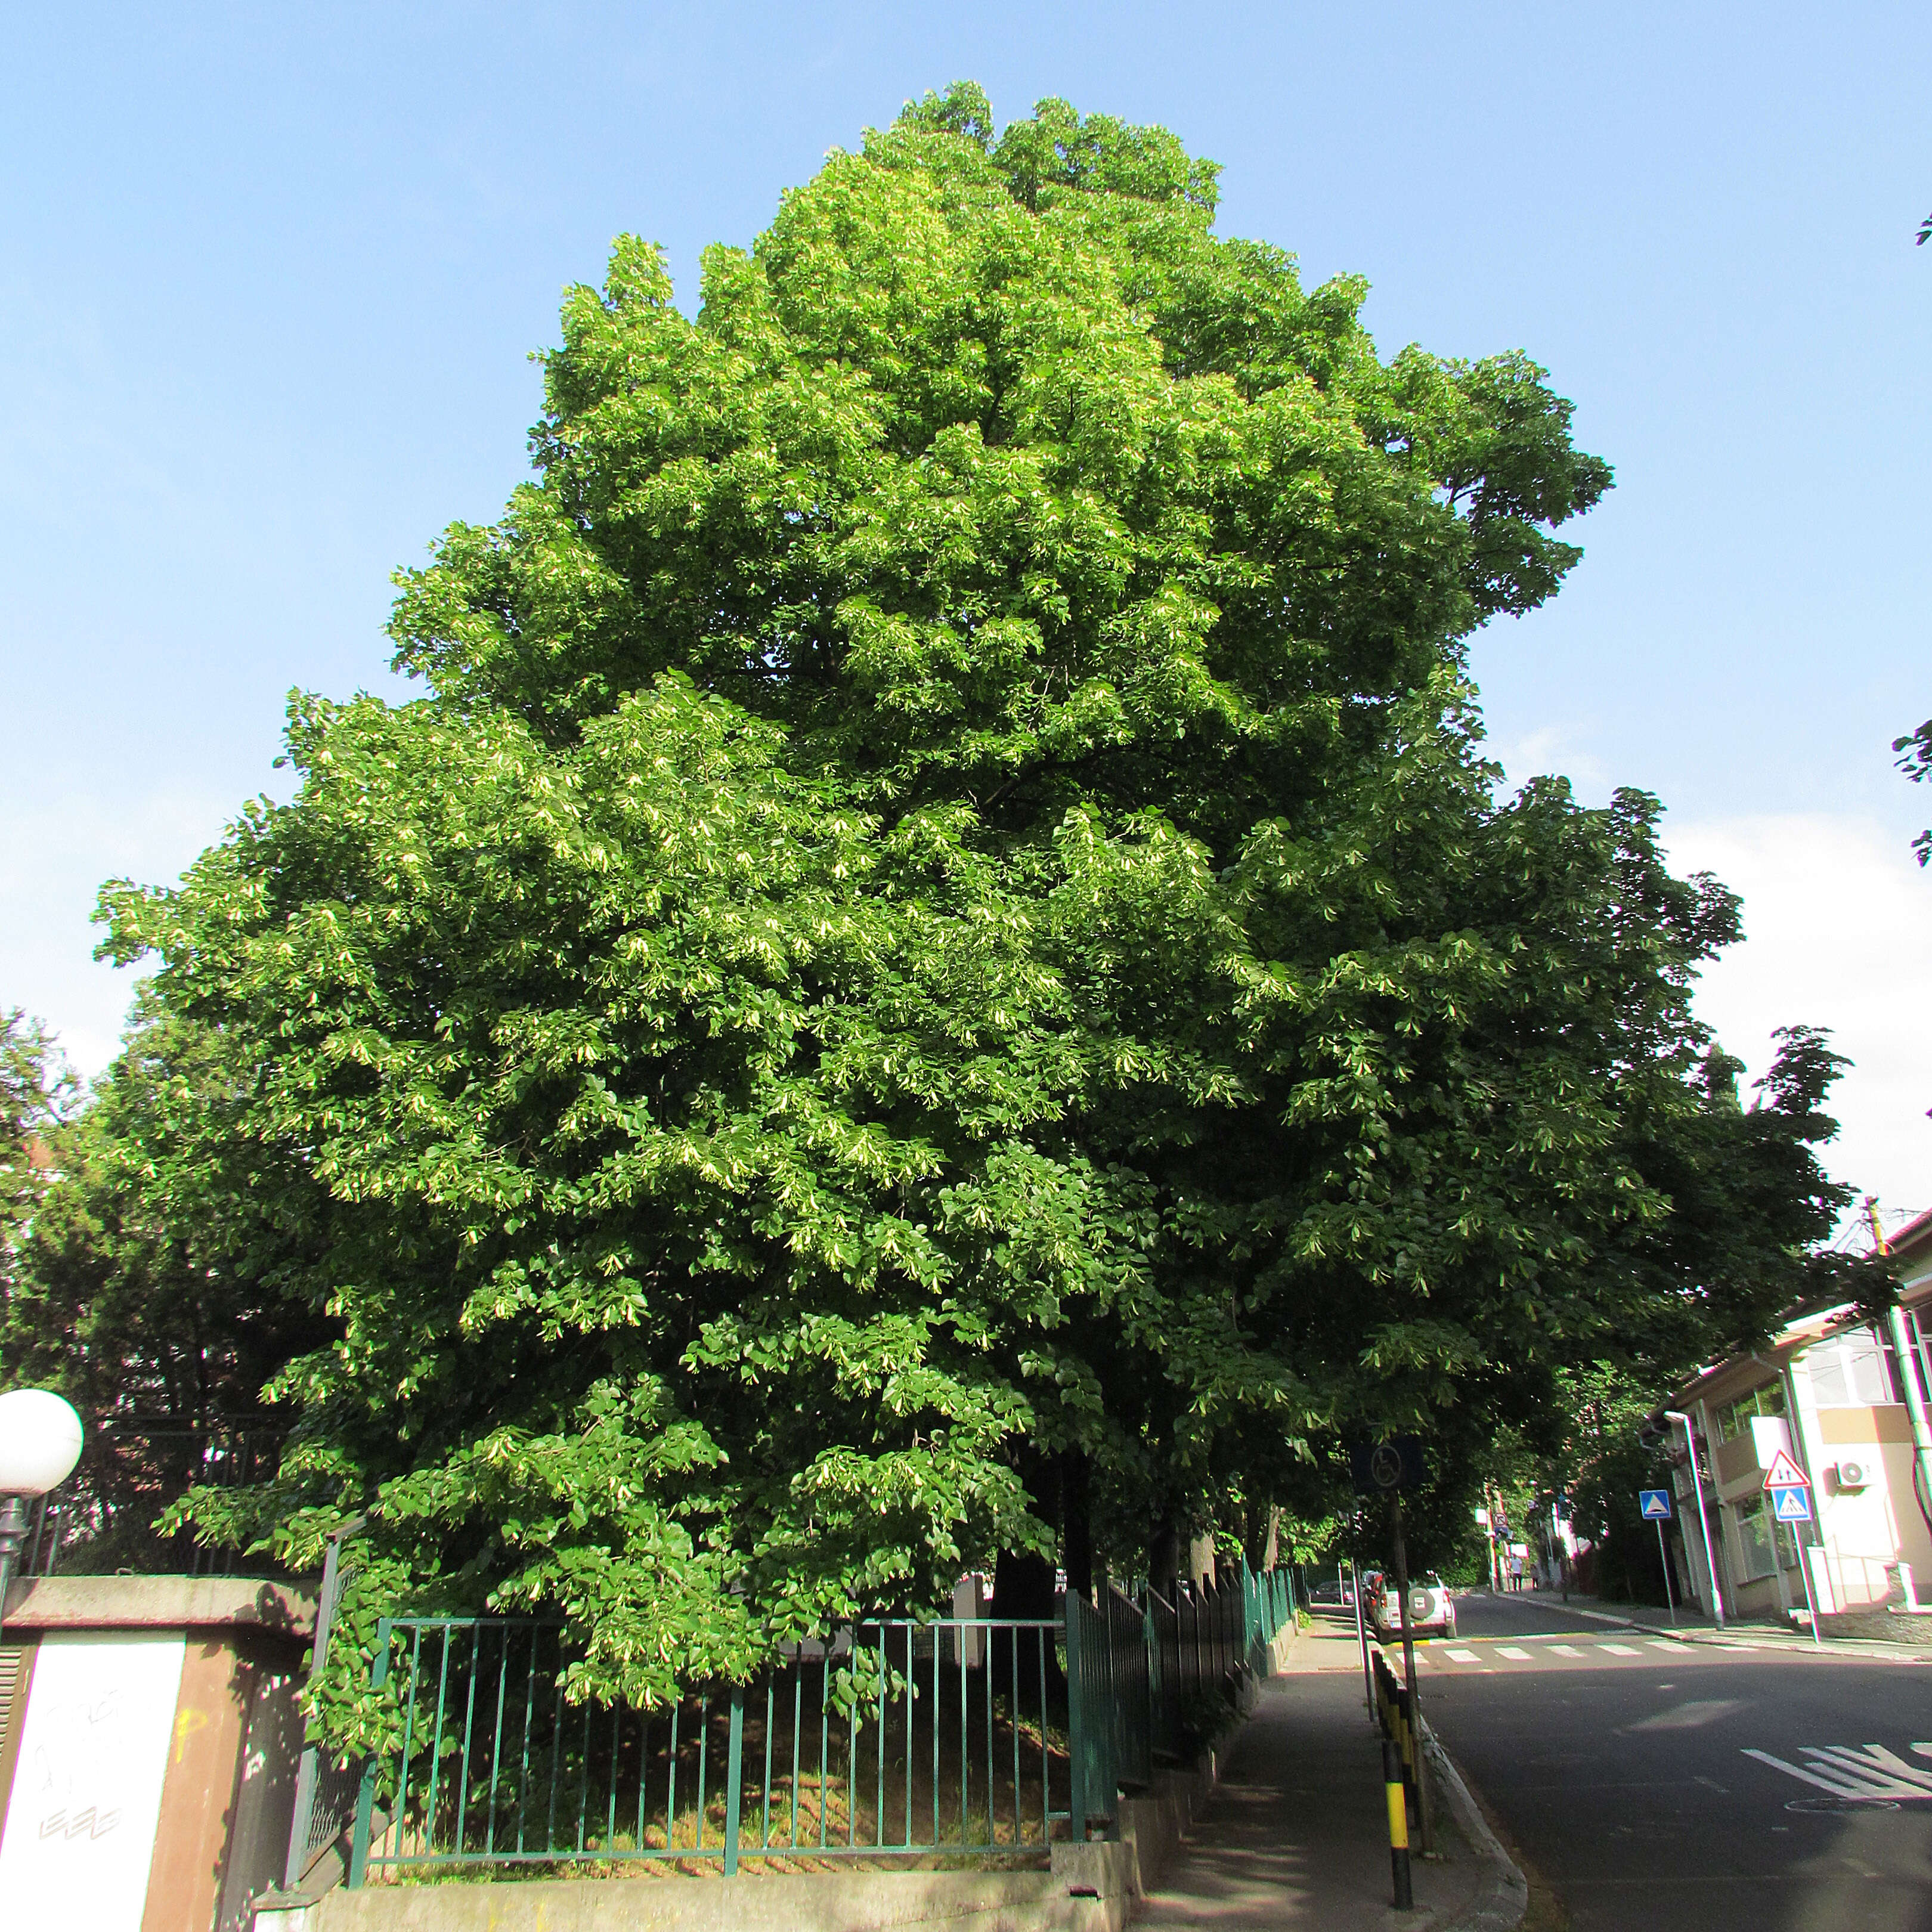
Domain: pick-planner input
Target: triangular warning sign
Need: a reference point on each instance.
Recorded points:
(1784, 1474)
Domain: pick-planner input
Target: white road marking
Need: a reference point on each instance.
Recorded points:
(1520, 1656)
(1668, 1643)
(1691, 1716)
(1618, 1649)
(1848, 1771)
(1565, 1650)
(1463, 1656)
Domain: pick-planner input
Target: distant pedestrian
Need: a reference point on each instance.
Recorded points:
(1516, 1573)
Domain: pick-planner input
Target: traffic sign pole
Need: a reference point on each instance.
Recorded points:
(1811, 1601)
(1790, 1492)
(1654, 1505)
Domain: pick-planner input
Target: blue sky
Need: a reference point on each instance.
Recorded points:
(269, 283)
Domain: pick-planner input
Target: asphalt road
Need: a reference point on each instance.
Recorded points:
(1623, 1768)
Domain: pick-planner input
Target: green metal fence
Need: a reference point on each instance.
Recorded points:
(984, 1738)
(948, 1736)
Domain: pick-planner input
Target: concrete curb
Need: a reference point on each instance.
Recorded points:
(1504, 1898)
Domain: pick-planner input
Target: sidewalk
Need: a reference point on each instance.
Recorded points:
(1297, 1833)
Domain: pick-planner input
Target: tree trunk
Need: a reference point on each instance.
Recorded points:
(1076, 1534)
(1023, 1582)
(1261, 1535)
(1164, 1557)
(1023, 1587)
(1201, 1560)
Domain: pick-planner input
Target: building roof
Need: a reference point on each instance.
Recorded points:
(1912, 1242)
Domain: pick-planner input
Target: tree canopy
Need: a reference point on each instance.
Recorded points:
(939, 968)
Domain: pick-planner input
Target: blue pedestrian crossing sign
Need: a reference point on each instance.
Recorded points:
(1654, 1505)
(1790, 1494)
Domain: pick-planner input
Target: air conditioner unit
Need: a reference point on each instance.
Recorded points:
(1852, 1474)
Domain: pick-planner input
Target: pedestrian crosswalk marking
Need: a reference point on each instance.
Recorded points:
(1846, 1771)
(1565, 1650)
(1618, 1649)
(1666, 1643)
(1520, 1656)
(1463, 1656)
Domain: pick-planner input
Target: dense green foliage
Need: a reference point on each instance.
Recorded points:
(940, 969)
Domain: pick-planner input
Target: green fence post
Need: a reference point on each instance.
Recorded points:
(1076, 1736)
(365, 1799)
(734, 1778)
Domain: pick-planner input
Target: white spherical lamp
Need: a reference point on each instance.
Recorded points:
(39, 1441)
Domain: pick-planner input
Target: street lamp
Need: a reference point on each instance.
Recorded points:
(1703, 1522)
(39, 1444)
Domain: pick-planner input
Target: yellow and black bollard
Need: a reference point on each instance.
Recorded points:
(1397, 1794)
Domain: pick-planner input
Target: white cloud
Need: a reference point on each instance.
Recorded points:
(1550, 748)
(1837, 922)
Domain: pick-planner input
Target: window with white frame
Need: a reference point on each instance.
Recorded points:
(1851, 1370)
(1921, 1355)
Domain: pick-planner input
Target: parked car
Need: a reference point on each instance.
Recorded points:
(1333, 1590)
(1432, 1610)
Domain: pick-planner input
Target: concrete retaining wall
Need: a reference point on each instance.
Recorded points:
(1088, 1888)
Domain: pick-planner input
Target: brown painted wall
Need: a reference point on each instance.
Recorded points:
(225, 1806)
(1891, 1422)
(204, 1762)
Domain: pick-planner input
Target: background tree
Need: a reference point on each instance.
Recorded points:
(36, 1090)
(152, 1288)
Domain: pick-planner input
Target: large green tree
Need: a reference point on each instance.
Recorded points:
(999, 480)
(660, 1140)
(940, 963)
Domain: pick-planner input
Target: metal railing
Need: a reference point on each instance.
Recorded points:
(326, 1786)
(1131, 1688)
(1268, 1599)
(981, 1738)
(905, 1737)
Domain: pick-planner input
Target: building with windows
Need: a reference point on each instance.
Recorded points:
(1847, 1402)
